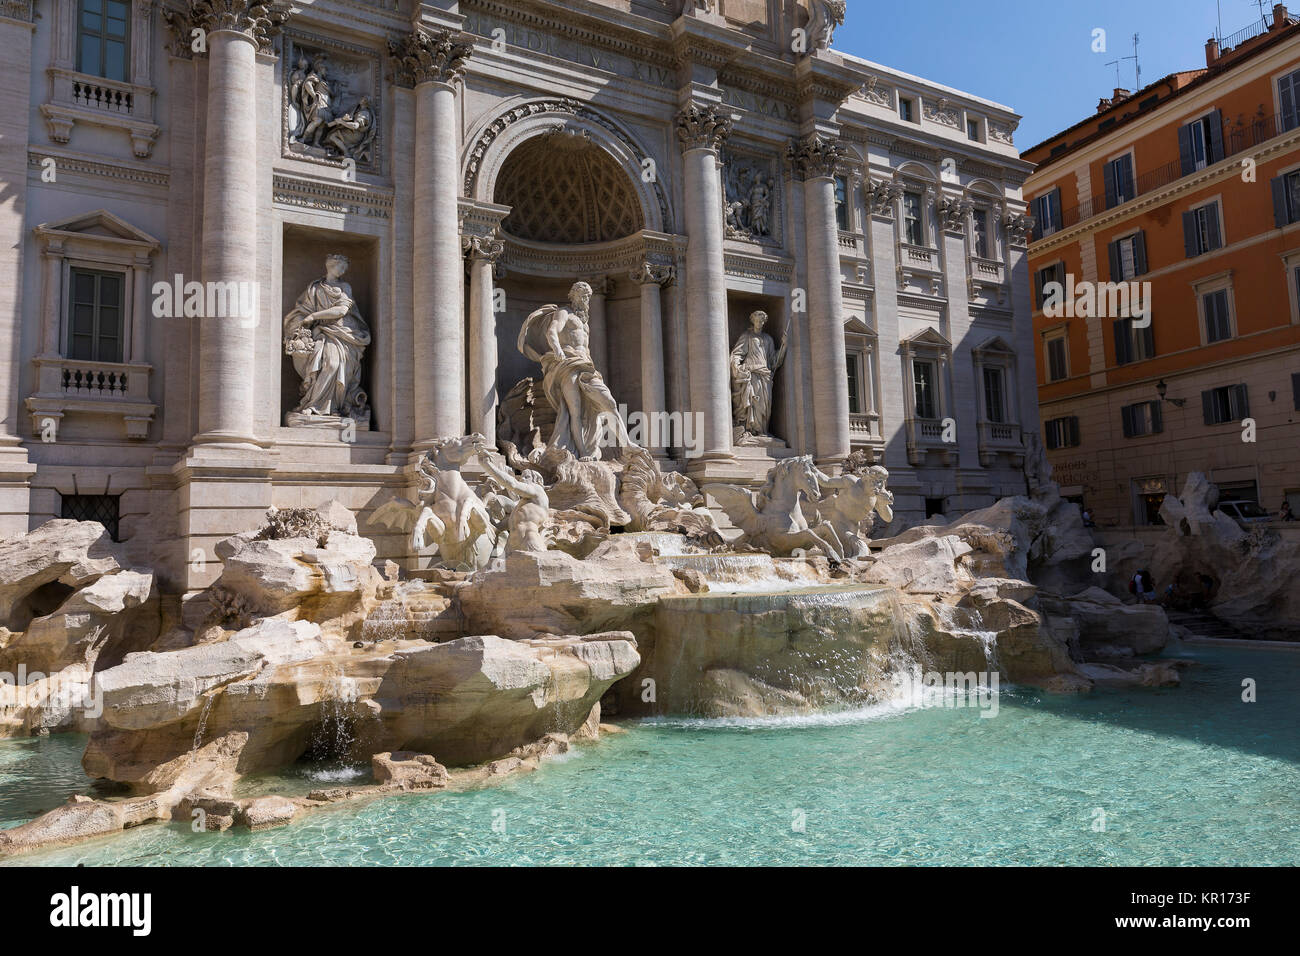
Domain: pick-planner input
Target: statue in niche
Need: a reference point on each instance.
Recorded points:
(760, 206)
(326, 337)
(587, 415)
(754, 362)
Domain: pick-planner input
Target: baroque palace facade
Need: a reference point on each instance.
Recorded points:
(210, 202)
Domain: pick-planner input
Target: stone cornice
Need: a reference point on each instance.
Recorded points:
(604, 31)
(259, 20)
(427, 56)
(345, 198)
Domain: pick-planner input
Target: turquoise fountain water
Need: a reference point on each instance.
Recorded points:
(1180, 776)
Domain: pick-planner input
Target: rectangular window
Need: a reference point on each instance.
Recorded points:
(1231, 403)
(101, 508)
(1144, 418)
(855, 382)
(1044, 277)
(1218, 320)
(95, 315)
(102, 38)
(995, 406)
(1288, 94)
(973, 130)
(925, 389)
(1133, 344)
(1128, 257)
(1058, 367)
(1047, 213)
(1286, 199)
(1295, 389)
(1201, 230)
(1120, 187)
(842, 203)
(1061, 433)
(905, 110)
(1200, 143)
(980, 218)
(913, 219)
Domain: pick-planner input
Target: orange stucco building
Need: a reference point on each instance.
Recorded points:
(1188, 193)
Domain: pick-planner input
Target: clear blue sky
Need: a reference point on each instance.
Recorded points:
(1036, 55)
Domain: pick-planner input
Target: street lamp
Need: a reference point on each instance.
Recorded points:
(1162, 388)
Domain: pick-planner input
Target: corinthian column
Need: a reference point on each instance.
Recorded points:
(431, 62)
(484, 252)
(702, 130)
(652, 279)
(236, 31)
(816, 159)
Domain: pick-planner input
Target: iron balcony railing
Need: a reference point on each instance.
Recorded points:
(1237, 138)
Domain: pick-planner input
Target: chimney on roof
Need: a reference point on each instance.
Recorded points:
(1103, 105)
(1211, 51)
(1120, 96)
(1280, 18)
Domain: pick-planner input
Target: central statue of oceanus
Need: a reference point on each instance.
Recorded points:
(586, 414)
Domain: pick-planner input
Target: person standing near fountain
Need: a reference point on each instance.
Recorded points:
(586, 412)
(754, 363)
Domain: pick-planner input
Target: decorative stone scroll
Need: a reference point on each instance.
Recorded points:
(425, 56)
(703, 127)
(259, 19)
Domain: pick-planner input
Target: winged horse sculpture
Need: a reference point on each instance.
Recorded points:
(773, 519)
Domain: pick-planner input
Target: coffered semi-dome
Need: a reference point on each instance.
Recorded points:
(565, 189)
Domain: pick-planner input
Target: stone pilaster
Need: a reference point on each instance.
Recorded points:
(431, 63)
(702, 130)
(652, 279)
(484, 252)
(816, 159)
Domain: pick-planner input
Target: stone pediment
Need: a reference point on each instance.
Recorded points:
(997, 344)
(99, 225)
(928, 337)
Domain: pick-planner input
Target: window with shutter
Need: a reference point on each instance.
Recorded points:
(1295, 390)
(1289, 100)
(1123, 342)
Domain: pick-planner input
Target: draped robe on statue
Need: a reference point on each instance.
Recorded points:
(754, 361)
(327, 354)
(585, 409)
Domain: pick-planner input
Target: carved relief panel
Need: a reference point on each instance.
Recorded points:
(332, 102)
(753, 201)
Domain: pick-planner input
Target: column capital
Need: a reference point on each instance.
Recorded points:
(816, 156)
(429, 56)
(259, 20)
(881, 195)
(487, 248)
(703, 127)
(651, 274)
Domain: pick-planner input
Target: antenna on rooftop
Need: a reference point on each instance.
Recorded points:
(1136, 63)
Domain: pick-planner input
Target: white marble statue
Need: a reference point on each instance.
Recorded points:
(774, 520)
(755, 360)
(827, 16)
(353, 133)
(326, 337)
(451, 517)
(526, 505)
(586, 412)
(849, 501)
